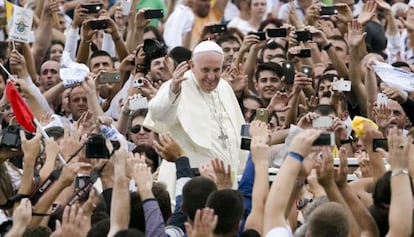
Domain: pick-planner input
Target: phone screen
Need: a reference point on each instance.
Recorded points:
(303, 35)
(380, 143)
(288, 69)
(154, 14)
(274, 33)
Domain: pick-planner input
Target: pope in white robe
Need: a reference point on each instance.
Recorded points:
(200, 111)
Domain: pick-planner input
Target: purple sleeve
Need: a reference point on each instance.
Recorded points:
(154, 223)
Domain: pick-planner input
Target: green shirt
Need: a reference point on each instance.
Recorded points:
(153, 4)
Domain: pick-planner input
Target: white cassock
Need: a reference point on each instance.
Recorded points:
(196, 120)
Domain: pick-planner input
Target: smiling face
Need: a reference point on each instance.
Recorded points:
(206, 67)
(140, 135)
(267, 84)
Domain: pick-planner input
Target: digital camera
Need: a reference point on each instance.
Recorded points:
(153, 49)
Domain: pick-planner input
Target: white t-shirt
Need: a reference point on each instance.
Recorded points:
(242, 25)
(179, 22)
(280, 232)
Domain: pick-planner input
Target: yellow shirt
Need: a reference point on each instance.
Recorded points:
(214, 17)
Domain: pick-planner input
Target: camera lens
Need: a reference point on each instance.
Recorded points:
(150, 47)
(140, 81)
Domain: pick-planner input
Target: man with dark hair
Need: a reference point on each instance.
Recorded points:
(270, 50)
(195, 194)
(268, 81)
(230, 46)
(228, 206)
(100, 61)
(49, 75)
(341, 47)
(328, 220)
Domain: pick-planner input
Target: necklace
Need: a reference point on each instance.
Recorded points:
(217, 112)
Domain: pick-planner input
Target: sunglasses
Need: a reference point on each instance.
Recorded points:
(135, 129)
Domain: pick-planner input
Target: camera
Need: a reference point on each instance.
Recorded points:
(11, 137)
(96, 147)
(139, 82)
(153, 49)
(245, 137)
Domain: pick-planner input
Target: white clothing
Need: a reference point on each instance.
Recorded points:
(71, 43)
(280, 232)
(242, 25)
(231, 11)
(192, 119)
(179, 22)
(108, 44)
(114, 108)
(284, 12)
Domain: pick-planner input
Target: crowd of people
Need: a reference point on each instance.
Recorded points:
(208, 118)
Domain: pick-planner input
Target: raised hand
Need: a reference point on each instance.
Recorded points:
(326, 174)
(17, 64)
(144, 180)
(306, 120)
(344, 12)
(356, 34)
(238, 80)
(140, 22)
(70, 171)
(22, 215)
(368, 12)
(399, 149)
(260, 150)
(223, 174)
(204, 223)
(312, 13)
(206, 170)
(302, 143)
(409, 19)
(73, 223)
(132, 161)
(342, 171)
(258, 129)
(87, 32)
(79, 16)
(383, 116)
(168, 148)
(279, 102)
(178, 77)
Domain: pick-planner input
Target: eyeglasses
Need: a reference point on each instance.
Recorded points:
(135, 129)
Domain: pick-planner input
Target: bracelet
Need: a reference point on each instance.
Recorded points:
(327, 47)
(295, 156)
(399, 172)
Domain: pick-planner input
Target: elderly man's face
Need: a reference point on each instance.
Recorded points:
(206, 67)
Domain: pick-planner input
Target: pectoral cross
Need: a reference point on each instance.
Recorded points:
(223, 137)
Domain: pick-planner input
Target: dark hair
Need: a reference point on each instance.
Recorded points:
(129, 233)
(180, 54)
(323, 78)
(340, 38)
(325, 110)
(225, 38)
(139, 113)
(99, 229)
(156, 32)
(162, 196)
(37, 231)
(329, 68)
(100, 53)
(255, 98)
(382, 191)
(271, 45)
(329, 220)
(150, 153)
(195, 194)
(270, 20)
(228, 205)
(269, 66)
(55, 132)
(400, 64)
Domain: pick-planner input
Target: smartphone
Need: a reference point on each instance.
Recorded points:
(288, 69)
(218, 28)
(96, 147)
(322, 122)
(154, 14)
(306, 69)
(109, 77)
(304, 53)
(262, 35)
(92, 7)
(380, 143)
(341, 85)
(325, 139)
(99, 24)
(81, 181)
(303, 35)
(275, 33)
(245, 137)
(262, 114)
(328, 10)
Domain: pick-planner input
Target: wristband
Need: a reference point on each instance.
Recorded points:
(296, 156)
(327, 47)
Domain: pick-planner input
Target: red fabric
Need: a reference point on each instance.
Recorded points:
(23, 114)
